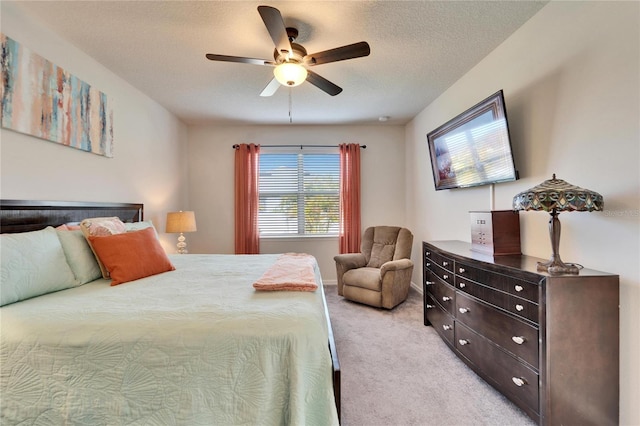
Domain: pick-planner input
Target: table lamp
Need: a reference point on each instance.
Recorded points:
(181, 222)
(554, 196)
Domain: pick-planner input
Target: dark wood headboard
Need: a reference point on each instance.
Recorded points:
(30, 215)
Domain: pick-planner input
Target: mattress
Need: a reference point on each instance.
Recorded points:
(195, 346)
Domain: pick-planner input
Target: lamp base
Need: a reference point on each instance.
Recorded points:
(555, 266)
(182, 244)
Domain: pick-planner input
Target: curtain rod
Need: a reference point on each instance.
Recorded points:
(301, 146)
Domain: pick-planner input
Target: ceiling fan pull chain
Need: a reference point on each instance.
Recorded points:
(290, 117)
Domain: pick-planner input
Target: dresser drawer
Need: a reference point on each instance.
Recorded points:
(444, 274)
(520, 307)
(438, 259)
(515, 336)
(441, 320)
(520, 288)
(441, 292)
(510, 376)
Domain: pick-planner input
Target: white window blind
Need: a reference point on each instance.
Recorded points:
(299, 193)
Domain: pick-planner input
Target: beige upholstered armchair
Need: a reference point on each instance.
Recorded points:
(380, 276)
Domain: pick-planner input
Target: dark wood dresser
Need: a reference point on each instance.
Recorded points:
(549, 343)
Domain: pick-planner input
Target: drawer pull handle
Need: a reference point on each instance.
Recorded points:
(519, 308)
(428, 264)
(519, 288)
(429, 282)
(430, 306)
(463, 310)
(445, 277)
(445, 298)
(462, 285)
(428, 253)
(445, 263)
(446, 327)
(463, 342)
(518, 339)
(518, 381)
(461, 270)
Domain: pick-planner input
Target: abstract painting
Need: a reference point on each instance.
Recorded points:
(43, 100)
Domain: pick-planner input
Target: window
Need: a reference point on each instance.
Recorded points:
(299, 193)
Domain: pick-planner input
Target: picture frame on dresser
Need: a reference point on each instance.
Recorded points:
(549, 343)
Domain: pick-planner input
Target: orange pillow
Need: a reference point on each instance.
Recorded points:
(131, 255)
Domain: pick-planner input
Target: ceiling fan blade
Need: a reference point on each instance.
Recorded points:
(350, 51)
(240, 59)
(322, 83)
(275, 25)
(271, 88)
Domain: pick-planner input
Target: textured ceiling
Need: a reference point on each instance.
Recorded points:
(418, 49)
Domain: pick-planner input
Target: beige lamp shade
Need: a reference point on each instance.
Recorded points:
(178, 222)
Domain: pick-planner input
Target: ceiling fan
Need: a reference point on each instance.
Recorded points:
(291, 59)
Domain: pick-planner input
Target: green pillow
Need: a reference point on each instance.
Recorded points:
(138, 226)
(79, 256)
(32, 264)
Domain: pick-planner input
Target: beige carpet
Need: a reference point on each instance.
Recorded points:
(396, 371)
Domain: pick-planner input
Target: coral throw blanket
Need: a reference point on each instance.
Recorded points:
(291, 271)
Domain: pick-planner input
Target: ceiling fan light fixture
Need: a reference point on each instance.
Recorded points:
(290, 74)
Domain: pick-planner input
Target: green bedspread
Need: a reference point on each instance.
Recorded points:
(195, 346)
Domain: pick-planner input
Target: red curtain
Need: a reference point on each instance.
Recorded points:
(350, 198)
(247, 238)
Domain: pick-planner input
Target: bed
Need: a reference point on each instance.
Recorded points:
(196, 345)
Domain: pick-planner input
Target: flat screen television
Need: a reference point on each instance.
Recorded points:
(473, 148)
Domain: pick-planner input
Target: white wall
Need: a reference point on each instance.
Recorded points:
(150, 148)
(571, 82)
(211, 182)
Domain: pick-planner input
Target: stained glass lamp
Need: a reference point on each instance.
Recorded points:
(555, 196)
